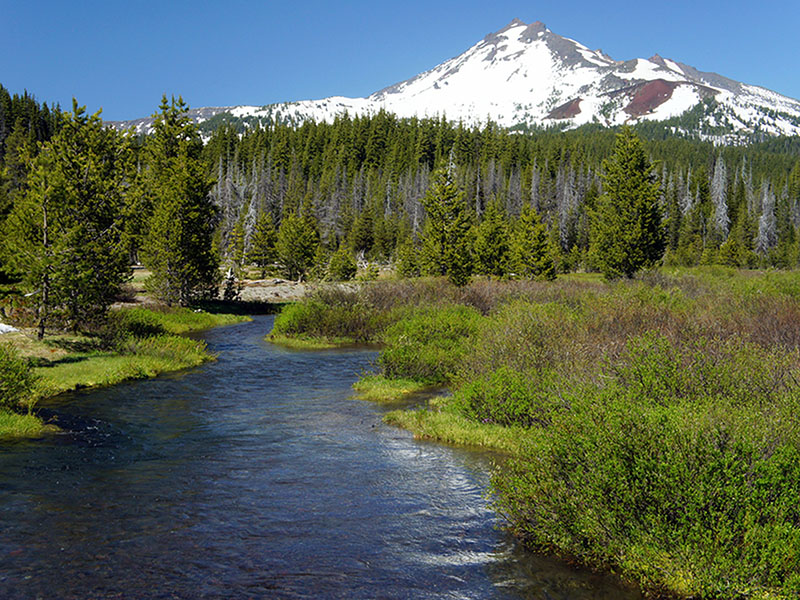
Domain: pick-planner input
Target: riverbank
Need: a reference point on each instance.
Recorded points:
(138, 343)
(650, 424)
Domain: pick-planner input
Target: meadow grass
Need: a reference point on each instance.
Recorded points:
(14, 425)
(377, 387)
(307, 342)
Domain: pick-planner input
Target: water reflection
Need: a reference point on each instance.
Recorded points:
(255, 477)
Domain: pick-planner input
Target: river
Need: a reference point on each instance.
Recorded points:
(256, 476)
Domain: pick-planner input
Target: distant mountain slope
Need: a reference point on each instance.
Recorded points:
(526, 75)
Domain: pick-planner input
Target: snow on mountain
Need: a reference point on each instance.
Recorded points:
(524, 74)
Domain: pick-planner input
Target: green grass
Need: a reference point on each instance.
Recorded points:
(180, 320)
(15, 425)
(308, 343)
(141, 359)
(449, 427)
(379, 388)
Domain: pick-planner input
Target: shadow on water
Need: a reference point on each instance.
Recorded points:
(256, 476)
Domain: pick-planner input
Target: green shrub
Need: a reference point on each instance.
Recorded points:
(510, 397)
(427, 344)
(525, 336)
(673, 470)
(314, 318)
(342, 266)
(17, 380)
(138, 322)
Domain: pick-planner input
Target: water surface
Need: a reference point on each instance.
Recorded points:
(256, 476)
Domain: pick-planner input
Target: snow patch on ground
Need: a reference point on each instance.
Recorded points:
(7, 328)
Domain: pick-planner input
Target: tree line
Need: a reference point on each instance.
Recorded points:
(80, 203)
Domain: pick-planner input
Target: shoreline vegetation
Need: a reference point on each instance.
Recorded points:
(649, 425)
(136, 343)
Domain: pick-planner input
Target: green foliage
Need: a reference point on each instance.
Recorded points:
(531, 255)
(445, 239)
(65, 235)
(511, 398)
(178, 247)
(331, 315)
(342, 266)
(427, 344)
(17, 380)
(407, 260)
(296, 244)
(492, 243)
(626, 227)
(678, 471)
(263, 243)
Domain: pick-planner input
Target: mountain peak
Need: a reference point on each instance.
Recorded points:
(526, 75)
(530, 33)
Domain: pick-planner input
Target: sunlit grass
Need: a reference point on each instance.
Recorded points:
(14, 425)
(378, 388)
(307, 343)
(451, 428)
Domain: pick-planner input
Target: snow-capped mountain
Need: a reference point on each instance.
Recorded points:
(526, 75)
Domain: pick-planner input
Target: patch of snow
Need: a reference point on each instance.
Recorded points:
(7, 328)
(683, 98)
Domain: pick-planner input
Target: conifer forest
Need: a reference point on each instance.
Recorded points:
(371, 187)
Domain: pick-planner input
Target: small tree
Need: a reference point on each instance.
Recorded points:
(626, 232)
(407, 262)
(445, 239)
(342, 266)
(262, 244)
(65, 234)
(491, 242)
(531, 253)
(296, 244)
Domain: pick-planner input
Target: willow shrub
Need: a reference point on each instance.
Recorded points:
(509, 397)
(313, 318)
(681, 469)
(427, 344)
(17, 380)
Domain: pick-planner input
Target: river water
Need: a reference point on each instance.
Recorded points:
(256, 476)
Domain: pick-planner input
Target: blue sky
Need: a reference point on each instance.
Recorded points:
(121, 56)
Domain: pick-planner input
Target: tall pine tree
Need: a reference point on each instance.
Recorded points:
(178, 247)
(626, 232)
(446, 239)
(65, 234)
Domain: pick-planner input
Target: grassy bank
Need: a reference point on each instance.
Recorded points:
(651, 425)
(137, 343)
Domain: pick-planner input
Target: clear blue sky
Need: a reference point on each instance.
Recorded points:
(122, 55)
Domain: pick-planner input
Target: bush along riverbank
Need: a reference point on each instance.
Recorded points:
(651, 425)
(134, 343)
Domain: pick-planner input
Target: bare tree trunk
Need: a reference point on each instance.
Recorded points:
(45, 295)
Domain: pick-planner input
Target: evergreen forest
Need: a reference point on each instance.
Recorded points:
(361, 194)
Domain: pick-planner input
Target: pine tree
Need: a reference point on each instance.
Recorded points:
(445, 239)
(65, 234)
(179, 249)
(262, 244)
(491, 242)
(342, 266)
(531, 255)
(626, 228)
(296, 244)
